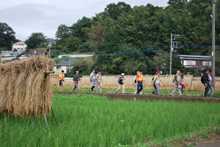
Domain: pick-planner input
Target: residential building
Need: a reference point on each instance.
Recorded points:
(19, 46)
(196, 63)
(66, 66)
(76, 55)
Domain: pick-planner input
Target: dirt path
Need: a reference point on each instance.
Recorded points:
(208, 144)
(147, 97)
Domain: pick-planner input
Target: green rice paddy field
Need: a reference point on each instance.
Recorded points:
(93, 121)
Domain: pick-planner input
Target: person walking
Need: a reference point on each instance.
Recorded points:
(98, 79)
(156, 82)
(176, 82)
(140, 80)
(61, 80)
(182, 85)
(76, 80)
(205, 80)
(135, 82)
(210, 83)
(92, 81)
(121, 81)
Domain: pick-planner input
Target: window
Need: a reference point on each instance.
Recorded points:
(189, 62)
(58, 67)
(207, 63)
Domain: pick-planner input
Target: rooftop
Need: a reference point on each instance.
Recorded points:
(195, 57)
(21, 42)
(26, 54)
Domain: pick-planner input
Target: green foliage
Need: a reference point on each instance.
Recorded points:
(7, 36)
(114, 10)
(35, 40)
(85, 47)
(121, 28)
(89, 120)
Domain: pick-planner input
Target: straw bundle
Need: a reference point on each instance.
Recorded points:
(34, 95)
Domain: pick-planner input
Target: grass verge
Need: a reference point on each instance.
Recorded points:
(89, 120)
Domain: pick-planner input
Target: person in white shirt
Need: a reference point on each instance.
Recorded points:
(98, 79)
(210, 83)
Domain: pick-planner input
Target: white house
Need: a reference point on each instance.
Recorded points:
(76, 55)
(19, 46)
(66, 66)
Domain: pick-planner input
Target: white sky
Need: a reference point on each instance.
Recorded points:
(28, 16)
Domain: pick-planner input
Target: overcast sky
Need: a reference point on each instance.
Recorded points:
(27, 16)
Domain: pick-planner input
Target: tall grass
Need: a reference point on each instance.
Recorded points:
(87, 120)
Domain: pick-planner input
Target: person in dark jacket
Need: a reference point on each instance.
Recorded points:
(205, 81)
(76, 79)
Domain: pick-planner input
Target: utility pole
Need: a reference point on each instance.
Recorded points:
(49, 48)
(213, 42)
(69, 63)
(171, 50)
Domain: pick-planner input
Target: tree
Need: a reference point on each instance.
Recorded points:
(160, 60)
(7, 36)
(114, 10)
(62, 34)
(35, 40)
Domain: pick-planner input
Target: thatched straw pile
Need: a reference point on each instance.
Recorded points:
(34, 95)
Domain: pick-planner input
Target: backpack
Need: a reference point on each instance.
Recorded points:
(153, 80)
(202, 79)
(119, 80)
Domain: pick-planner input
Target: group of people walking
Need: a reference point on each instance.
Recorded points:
(178, 82)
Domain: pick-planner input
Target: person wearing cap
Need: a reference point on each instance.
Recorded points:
(76, 80)
(156, 82)
(140, 80)
(205, 80)
(210, 83)
(121, 83)
(182, 85)
(92, 81)
(98, 79)
(176, 82)
(61, 80)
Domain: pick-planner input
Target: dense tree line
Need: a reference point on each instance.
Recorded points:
(7, 36)
(121, 28)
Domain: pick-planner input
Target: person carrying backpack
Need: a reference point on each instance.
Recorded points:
(121, 80)
(156, 81)
(153, 84)
(182, 85)
(205, 80)
(176, 82)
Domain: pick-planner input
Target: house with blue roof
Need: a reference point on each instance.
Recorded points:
(66, 66)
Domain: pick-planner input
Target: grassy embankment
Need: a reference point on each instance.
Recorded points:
(216, 94)
(88, 120)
